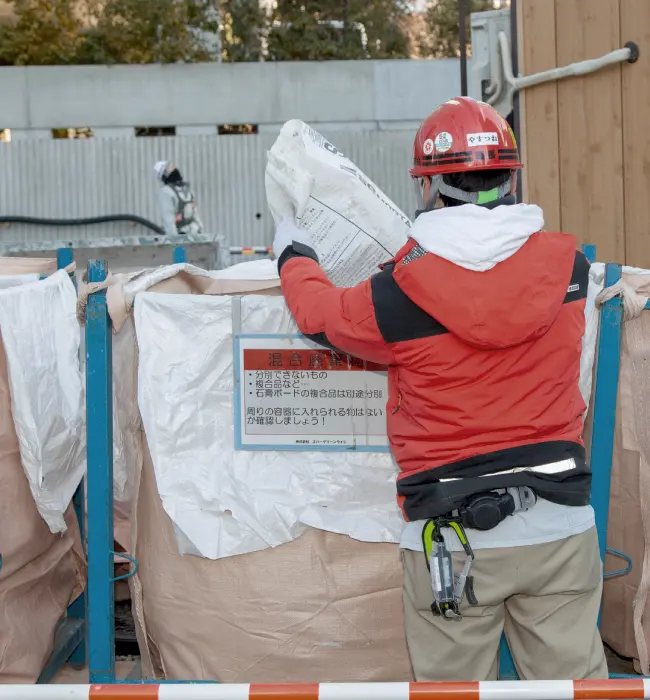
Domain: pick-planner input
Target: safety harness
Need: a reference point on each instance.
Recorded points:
(483, 511)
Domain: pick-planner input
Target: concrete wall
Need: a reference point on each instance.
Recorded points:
(129, 258)
(114, 99)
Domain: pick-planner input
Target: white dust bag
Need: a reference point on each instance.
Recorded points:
(351, 223)
(222, 501)
(41, 338)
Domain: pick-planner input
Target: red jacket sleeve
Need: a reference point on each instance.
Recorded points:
(345, 316)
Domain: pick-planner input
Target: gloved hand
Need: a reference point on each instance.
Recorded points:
(285, 234)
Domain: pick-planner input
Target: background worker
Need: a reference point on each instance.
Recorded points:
(480, 318)
(177, 201)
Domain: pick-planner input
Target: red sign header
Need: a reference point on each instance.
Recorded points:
(292, 360)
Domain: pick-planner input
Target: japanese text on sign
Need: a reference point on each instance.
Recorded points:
(293, 395)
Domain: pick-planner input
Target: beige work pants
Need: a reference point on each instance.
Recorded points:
(546, 597)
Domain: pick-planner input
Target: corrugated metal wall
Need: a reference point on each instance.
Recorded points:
(94, 177)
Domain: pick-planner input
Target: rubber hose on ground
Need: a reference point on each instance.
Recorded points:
(83, 222)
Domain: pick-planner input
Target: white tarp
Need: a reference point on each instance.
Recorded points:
(126, 420)
(352, 224)
(127, 451)
(592, 314)
(7, 281)
(225, 502)
(41, 339)
(590, 339)
(121, 291)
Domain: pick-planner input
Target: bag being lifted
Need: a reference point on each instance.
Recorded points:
(352, 224)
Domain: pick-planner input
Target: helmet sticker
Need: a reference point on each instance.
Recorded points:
(427, 147)
(443, 142)
(485, 138)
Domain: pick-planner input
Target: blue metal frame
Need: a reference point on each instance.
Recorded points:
(180, 254)
(70, 637)
(604, 420)
(100, 463)
(605, 394)
(99, 427)
(283, 448)
(590, 253)
(99, 431)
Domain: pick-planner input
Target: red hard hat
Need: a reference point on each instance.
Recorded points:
(464, 134)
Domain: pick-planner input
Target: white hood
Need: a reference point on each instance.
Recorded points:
(474, 237)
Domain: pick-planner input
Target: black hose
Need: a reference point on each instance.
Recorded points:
(83, 222)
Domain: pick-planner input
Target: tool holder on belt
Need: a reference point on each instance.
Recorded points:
(448, 588)
(483, 511)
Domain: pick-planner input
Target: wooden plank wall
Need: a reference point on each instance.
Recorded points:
(586, 140)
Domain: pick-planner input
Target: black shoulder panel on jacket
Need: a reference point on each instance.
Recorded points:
(397, 316)
(579, 279)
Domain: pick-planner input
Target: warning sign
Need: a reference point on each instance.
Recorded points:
(293, 394)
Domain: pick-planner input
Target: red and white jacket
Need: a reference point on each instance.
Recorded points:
(482, 339)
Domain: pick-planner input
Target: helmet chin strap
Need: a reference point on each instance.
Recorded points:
(428, 187)
(426, 191)
(476, 197)
(428, 196)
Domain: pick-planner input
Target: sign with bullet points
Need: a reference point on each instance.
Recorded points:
(292, 394)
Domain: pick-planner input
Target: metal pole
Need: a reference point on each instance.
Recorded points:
(604, 410)
(180, 254)
(77, 609)
(216, 15)
(99, 432)
(590, 252)
(462, 18)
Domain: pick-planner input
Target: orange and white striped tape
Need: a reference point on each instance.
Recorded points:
(491, 690)
(253, 250)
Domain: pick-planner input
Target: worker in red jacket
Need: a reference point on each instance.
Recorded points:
(480, 318)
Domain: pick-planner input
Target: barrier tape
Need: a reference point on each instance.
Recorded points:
(490, 690)
(255, 250)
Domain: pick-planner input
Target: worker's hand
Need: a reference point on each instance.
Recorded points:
(286, 233)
